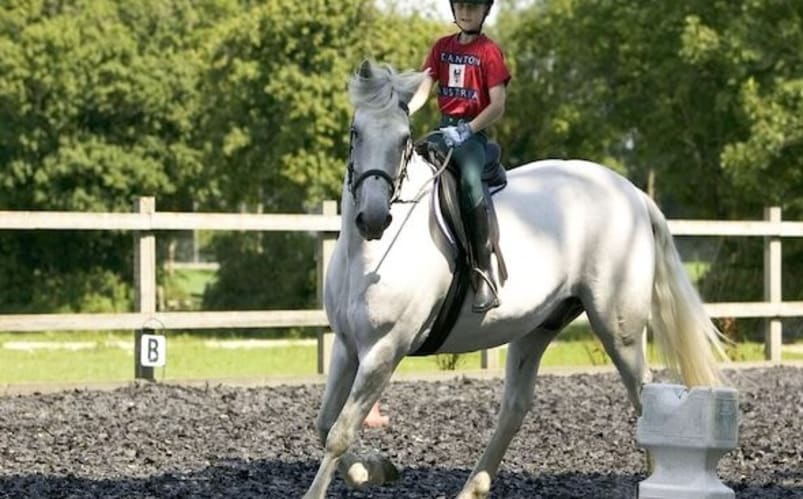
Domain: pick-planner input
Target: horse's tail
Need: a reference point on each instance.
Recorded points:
(687, 338)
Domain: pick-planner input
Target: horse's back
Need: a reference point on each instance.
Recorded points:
(572, 225)
(564, 192)
(570, 176)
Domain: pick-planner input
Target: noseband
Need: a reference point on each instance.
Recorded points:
(393, 183)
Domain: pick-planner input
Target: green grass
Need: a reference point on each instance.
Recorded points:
(193, 281)
(189, 357)
(187, 286)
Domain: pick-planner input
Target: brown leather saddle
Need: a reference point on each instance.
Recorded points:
(448, 205)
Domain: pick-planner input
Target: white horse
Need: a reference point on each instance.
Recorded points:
(576, 237)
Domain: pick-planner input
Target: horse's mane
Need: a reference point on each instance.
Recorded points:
(380, 87)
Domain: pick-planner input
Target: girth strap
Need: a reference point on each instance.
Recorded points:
(449, 310)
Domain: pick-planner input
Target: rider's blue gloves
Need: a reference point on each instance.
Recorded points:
(456, 135)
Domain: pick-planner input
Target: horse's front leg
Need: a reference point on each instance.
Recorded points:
(523, 358)
(342, 370)
(373, 374)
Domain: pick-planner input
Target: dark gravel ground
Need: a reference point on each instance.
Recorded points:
(157, 440)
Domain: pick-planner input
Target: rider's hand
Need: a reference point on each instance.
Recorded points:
(456, 135)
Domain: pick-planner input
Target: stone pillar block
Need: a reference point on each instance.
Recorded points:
(686, 432)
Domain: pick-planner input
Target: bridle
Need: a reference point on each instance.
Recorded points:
(393, 182)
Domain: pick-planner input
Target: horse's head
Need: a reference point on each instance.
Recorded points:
(380, 143)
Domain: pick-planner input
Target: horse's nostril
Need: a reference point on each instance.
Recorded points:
(371, 227)
(387, 221)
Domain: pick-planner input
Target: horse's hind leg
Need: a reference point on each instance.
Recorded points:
(621, 331)
(523, 358)
(620, 327)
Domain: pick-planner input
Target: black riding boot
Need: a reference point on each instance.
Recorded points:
(485, 297)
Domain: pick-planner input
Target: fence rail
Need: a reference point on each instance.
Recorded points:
(153, 221)
(163, 320)
(145, 221)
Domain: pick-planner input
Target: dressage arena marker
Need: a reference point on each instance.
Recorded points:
(153, 350)
(687, 431)
(150, 350)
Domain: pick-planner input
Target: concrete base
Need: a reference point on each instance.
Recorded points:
(687, 432)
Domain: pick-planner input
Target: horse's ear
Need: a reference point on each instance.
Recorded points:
(365, 69)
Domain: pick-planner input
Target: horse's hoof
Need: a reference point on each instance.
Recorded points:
(356, 475)
(361, 472)
(477, 488)
(390, 471)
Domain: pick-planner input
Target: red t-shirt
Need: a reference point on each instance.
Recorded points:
(465, 73)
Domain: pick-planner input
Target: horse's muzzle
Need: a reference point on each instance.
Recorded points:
(372, 226)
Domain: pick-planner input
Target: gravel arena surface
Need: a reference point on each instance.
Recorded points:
(159, 440)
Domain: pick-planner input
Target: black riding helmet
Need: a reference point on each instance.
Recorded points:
(489, 3)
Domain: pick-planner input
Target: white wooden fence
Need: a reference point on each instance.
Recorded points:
(145, 221)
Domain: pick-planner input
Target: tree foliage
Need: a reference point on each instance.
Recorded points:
(276, 112)
(98, 100)
(239, 104)
(705, 94)
(275, 126)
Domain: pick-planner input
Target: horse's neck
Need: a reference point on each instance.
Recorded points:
(419, 181)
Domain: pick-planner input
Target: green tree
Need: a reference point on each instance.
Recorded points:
(703, 96)
(211, 103)
(98, 102)
(767, 163)
(276, 111)
(678, 89)
(275, 123)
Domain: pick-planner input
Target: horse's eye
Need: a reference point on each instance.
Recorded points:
(404, 141)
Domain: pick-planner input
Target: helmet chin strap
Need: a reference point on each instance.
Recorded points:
(471, 31)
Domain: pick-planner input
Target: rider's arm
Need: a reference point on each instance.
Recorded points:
(421, 95)
(493, 112)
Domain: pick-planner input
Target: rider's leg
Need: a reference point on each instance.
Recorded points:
(524, 356)
(470, 157)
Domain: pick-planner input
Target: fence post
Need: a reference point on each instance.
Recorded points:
(773, 332)
(327, 240)
(144, 280)
(490, 358)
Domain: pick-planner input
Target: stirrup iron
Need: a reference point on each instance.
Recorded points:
(491, 301)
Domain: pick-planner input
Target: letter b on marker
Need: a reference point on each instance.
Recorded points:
(153, 350)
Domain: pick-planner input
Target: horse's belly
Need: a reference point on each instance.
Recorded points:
(469, 336)
(499, 326)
